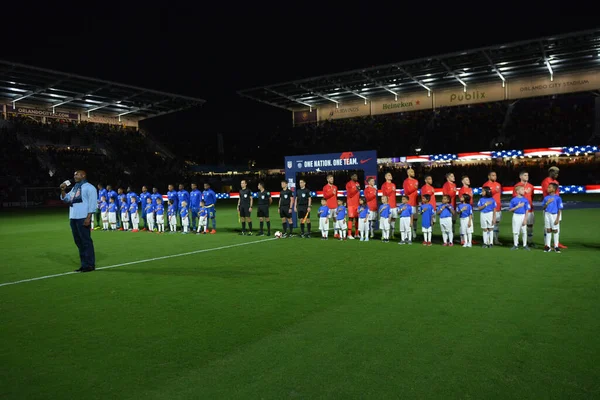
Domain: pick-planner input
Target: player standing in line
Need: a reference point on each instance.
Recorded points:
(264, 201)
(103, 207)
(112, 213)
(553, 207)
(133, 214)
(496, 189)
(427, 189)
(324, 219)
(195, 198)
(160, 215)
(388, 189)
(111, 194)
(149, 211)
(465, 211)
(406, 221)
(528, 191)
(124, 214)
(363, 220)
(330, 194)
(487, 206)
(466, 189)
(352, 195)
(340, 219)
(210, 200)
(371, 199)
(202, 219)
(155, 196)
(101, 193)
(184, 212)
(384, 219)
(519, 206)
(285, 209)
(244, 207)
(173, 199)
(121, 200)
(303, 205)
(183, 195)
(427, 219)
(552, 178)
(449, 189)
(130, 196)
(144, 196)
(172, 216)
(446, 212)
(411, 189)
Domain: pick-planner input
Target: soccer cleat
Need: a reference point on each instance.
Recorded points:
(144, 229)
(121, 229)
(450, 244)
(337, 236)
(445, 244)
(527, 248)
(242, 233)
(307, 236)
(213, 232)
(562, 246)
(367, 239)
(546, 249)
(362, 239)
(497, 243)
(557, 249)
(350, 237)
(514, 248)
(135, 230)
(425, 243)
(250, 233)
(465, 245)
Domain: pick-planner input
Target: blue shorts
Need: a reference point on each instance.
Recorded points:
(212, 213)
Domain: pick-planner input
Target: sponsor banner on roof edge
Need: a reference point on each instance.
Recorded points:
(99, 119)
(305, 116)
(561, 83)
(407, 102)
(40, 112)
(457, 96)
(344, 110)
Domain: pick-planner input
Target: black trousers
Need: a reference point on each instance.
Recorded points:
(83, 239)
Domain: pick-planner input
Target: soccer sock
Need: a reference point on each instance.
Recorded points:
(402, 235)
(243, 226)
(487, 237)
(308, 226)
(392, 230)
(250, 226)
(269, 227)
(290, 226)
(547, 239)
(516, 239)
(113, 226)
(136, 226)
(524, 237)
(469, 239)
(214, 223)
(496, 232)
(284, 225)
(413, 234)
(409, 234)
(450, 236)
(556, 239)
(445, 236)
(126, 225)
(302, 228)
(350, 227)
(185, 228)
(262, 226)
(162, 227)
(530, 231)
(343, 232)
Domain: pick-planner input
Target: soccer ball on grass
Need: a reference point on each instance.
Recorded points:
(278, 235)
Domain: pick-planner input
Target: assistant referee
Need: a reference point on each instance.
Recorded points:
(302, 204)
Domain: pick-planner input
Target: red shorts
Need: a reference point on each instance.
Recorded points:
(352, 212)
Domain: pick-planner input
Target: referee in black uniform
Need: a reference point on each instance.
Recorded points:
(285, 208)
(303, 204)
(245, 208)
(264, 201)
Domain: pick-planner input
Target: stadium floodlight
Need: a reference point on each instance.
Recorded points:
(381, 85)
(494, 68)
(418, 82)
(79, 97)
(115, 103)
(452, 74)
(38, 91)
(355, 93)
(324, 96)
(290, 98)
(547, 61)
(146, 107)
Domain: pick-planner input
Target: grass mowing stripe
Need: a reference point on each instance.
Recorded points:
(138, 261)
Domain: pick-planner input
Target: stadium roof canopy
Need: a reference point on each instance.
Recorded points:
(52, 89)
(548, 55)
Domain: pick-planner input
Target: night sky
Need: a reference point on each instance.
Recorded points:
(212, 51)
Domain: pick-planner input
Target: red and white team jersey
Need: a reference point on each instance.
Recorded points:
(371, 197)
(411, 188)
(428, 189)
(496, 193)
(545, 184)
(330, 194)
(389, 189)
(528, 192)
(466, 190)
(449, 189)
(352, 197)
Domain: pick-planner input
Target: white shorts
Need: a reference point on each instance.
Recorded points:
(405, 224)
(372, 215)
(173, 220)
(125, 217)
(384, 224)
(517, 223)
(332, 213)
(104, 216)
(363, 225)
(341, 225)
(446, 224)
(549, 220)
(426, 230)
(394, 213)
(486, 220)
(464, 226)
(530, 218)
(150, 218)
(498, 217)
(202, 221)
(112, 217)
(135, 218)
(185, 221)
(323, 224)
(160, 219)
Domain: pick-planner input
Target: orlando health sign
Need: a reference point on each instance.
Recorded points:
(348, 160)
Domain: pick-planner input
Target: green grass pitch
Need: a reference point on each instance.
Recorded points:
(296, 318)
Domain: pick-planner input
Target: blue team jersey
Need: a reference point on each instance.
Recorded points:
(112, 207)
(195, 198)
(103, 206)
(203, 213)
(210, 198)
(154, 197)
(490, 207)
(172, 195)
(160, 209)
(465, 210)
(323, 212)
(515, 202)
(384, 211)
(112, 195)
(182, 196)
(171, 210)
(555, 204)
(131, 197)
(133, 207)
(427, 212)
(149, 208)
(405, 210)
(340, 213)
(144, 197)
(124, 208)
(101, 193)
(122, 199)
(445, 210)
(184, 212)
(363, 211)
